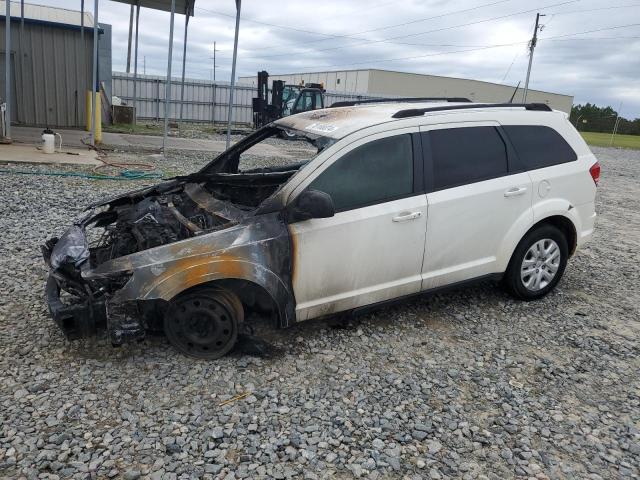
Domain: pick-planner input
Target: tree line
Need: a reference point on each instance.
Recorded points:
(591, 118)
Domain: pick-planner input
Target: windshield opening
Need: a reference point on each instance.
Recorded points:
(271, 148)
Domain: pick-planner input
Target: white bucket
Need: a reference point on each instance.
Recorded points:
(48, 143)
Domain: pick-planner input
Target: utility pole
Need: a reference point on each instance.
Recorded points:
(615, 125)
(213, 79)
(532, 46)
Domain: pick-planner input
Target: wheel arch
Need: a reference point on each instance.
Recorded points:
(563, 220)
(251, 294)
(565, 225)
(256, 279)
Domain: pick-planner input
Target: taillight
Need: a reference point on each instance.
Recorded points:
(595, 173)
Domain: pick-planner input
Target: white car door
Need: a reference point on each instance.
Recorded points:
(371, 250)
(476, 205)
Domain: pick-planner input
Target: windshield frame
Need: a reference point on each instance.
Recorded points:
(228, 161)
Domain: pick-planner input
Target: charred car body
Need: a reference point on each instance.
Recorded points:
(362, 222)
(118, 267)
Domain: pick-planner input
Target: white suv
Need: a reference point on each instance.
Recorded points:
(400, 199)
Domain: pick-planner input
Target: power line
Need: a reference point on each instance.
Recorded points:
(615, 7)
(387, 40)
(334, 35)
(479, 48)
(387, 27)
(367, 41)
(509, 69)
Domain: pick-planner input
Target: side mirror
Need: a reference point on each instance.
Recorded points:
(310, 204)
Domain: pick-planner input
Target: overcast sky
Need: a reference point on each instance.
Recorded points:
(579, 53)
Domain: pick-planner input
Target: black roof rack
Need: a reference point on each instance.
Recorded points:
(351, 103)
(417, 112)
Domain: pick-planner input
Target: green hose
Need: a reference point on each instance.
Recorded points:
(124, 174)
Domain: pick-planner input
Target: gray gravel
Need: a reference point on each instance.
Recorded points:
(468, 384)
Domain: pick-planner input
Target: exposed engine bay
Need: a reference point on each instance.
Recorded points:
(186, 208)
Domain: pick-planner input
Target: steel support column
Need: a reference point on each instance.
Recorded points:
(21, 53)
(7, 69)
(82, 22)
(135, 66)
(129, 39)
(94, 81)
(233, 71)
(167, 91)
(184, 56)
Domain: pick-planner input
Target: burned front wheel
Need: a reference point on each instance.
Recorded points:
(203, 323)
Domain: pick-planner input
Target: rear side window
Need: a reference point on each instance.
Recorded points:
(538, 146)
(466, 155)
(376, 172)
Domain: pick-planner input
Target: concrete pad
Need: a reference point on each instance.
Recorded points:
(30, 154)
(125, 141)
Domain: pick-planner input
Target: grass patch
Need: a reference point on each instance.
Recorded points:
(138, 129)
(604, 140)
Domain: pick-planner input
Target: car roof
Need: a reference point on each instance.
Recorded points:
(339, 122)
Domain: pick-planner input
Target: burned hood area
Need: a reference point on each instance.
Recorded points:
(114, 267)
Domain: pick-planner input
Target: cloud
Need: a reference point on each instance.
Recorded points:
(598, 67)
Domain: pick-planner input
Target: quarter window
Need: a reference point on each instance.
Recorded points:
(538, 146)
(378, 171)
(466, 155)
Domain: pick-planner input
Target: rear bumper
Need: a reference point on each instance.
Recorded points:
(78, 320)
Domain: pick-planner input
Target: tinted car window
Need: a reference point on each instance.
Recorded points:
(538, 146)
(376, 172)
(466, 155)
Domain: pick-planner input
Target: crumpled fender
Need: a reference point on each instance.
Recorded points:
(257, 250)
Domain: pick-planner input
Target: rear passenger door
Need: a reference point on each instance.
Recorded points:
(475, 201)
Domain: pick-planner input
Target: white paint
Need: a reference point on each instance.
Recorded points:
(363, 256)
(360, 256)
(322, 127)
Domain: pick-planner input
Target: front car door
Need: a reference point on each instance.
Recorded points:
(371, 250)
(476, 203)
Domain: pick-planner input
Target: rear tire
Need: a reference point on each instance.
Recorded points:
(203, 323)
(537, 264)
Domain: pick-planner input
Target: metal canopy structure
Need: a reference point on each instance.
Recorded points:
(182, 7)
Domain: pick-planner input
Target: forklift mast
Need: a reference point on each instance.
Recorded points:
(285, 100)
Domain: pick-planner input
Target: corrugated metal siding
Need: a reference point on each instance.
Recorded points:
(49, 14)
(199, 105)
(52, 76)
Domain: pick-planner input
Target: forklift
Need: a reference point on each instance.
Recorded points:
(285, 99)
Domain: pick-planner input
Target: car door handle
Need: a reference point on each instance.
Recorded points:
(405, 216)
(515, 191)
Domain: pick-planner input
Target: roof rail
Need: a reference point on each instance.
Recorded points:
(417, 112)
(351, 103)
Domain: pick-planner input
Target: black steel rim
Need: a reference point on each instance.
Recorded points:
(202, 326)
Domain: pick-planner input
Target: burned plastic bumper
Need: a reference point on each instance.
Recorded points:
(89, 310)
(77, 320)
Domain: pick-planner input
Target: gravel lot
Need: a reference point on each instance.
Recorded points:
(468, 384)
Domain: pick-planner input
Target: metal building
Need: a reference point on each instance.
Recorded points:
(51, 62)
(386, 83)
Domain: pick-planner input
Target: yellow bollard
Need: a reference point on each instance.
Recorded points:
(98, 115)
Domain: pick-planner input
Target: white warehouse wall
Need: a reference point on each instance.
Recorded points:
(385, 83)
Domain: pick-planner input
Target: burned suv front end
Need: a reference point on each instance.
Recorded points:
(97, 256)
(118, 267)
